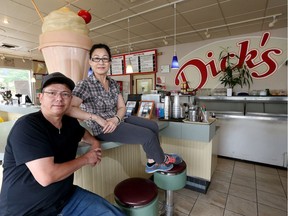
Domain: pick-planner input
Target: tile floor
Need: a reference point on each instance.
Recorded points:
(237, 188)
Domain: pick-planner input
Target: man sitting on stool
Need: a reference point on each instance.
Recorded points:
(39, 160)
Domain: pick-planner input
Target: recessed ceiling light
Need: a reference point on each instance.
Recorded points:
(5, 21)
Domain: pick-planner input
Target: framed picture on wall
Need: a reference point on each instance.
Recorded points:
(144, 86)
(145, 109)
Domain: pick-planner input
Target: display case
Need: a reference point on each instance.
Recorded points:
(253, 128)
(249, 107)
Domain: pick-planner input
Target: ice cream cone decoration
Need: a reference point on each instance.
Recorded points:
(65, 44)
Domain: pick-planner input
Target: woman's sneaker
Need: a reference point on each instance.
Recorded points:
(172, 159)
(158, 167)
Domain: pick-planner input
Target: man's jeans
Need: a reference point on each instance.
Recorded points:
(86, 203)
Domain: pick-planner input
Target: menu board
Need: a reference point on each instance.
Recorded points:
(134, 61)
(142, 62)
(117, 65)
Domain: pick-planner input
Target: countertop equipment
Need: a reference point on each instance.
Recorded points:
(194, 113)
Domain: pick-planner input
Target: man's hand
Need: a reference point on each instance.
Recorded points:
(93, 156)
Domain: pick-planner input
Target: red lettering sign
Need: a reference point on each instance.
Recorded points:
(249, 56)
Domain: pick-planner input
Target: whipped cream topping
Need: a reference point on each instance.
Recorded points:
(64, 19)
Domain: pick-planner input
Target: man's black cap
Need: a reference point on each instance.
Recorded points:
(57, 77)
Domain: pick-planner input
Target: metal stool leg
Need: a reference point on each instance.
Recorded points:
(169, 181)
(169, 203)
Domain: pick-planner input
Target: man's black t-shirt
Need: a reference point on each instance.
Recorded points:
(33, 137)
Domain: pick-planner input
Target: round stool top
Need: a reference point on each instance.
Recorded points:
(135, 192)
(177, 168)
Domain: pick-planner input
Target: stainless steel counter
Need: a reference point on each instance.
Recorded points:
(280, 99)
(250, 115)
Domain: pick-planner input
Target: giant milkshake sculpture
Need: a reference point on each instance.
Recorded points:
(65, 44)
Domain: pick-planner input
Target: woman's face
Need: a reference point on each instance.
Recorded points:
(100, 61)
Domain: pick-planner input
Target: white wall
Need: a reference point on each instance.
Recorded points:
(276, 81)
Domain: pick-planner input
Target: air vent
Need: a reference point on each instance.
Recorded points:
(8, 46)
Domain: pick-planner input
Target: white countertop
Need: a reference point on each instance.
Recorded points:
(21, 109)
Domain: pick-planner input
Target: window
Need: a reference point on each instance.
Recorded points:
(17, 81)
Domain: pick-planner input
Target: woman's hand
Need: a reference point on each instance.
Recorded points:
(110, 125)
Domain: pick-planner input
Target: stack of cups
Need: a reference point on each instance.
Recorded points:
(176, 110)
(167, 107)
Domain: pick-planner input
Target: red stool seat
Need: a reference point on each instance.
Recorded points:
(177, 168)
(135, 192)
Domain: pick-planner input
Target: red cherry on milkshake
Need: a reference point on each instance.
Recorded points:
(85, 15)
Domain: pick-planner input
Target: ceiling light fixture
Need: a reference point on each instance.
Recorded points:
(23, 60)
(5, 21)
(192, 31)
(175, 64)
(165, 41)
(272, 23)
(129, 68)
(2, 57)
(207, 34)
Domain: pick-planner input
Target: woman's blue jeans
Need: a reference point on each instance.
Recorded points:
(86, 203)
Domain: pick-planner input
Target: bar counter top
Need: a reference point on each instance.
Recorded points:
(20, 109)
(26, 109)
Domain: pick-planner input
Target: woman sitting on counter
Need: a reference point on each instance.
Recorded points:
(103, 109)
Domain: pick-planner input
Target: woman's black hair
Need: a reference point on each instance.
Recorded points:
(100, 46)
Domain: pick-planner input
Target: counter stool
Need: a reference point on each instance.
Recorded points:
(137, 197)
(174, 179)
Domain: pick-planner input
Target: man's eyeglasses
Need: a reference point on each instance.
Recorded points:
(104, 60)
(54, 94)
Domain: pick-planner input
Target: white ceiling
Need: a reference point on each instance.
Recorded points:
(150, 21)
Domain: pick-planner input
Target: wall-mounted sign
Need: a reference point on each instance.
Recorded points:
(142, 62)
(263, 55)
(117, 65)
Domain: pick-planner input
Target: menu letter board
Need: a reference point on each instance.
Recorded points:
(142, 62)
(117, 65)
(134, 61)
(147, 62)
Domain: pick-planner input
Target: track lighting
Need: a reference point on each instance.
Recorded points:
(272, 23)
(203, 29)
(207, 34)
(2, 57)
(23, 60)
(165, 41)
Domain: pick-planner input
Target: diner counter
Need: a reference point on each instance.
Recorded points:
(195, 142)
(11, 112)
